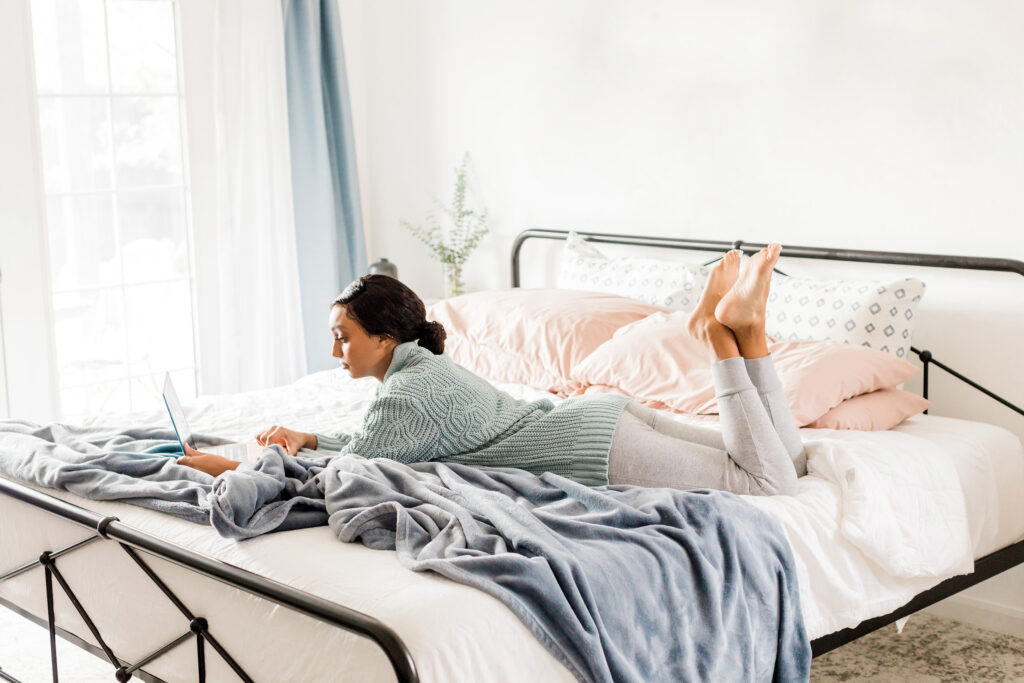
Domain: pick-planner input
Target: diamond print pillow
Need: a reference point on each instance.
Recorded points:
(879, 315)
(670, 284)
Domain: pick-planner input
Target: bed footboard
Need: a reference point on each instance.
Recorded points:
(196, 628)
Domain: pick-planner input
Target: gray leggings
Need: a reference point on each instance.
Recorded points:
(758, 450)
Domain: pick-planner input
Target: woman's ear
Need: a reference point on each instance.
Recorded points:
(387, 342)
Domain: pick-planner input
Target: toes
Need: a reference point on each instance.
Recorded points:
(728, 261)
(770, 254)
(723, 264)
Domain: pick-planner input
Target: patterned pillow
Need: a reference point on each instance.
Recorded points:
(669, 284)
(873, 314)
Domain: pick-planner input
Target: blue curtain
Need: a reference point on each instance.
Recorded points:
(325, 186)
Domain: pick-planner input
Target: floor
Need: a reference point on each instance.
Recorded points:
(25, 654)
(930, 650)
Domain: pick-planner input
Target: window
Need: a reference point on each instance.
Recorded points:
(116, 193)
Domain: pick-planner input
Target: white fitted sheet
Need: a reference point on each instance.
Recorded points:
(454, 632)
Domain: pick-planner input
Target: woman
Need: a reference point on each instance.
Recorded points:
(429, 408)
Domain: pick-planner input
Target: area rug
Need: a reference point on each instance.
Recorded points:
(929, 650)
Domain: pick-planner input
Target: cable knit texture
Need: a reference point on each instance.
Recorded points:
(429, 408)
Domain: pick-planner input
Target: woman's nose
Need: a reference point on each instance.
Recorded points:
(336, 351)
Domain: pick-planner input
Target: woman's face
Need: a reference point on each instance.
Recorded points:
(363, 355)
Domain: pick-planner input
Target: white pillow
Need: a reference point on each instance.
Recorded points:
(673, 285)
(879, 315)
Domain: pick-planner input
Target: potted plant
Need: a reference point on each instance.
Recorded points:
(452, 243)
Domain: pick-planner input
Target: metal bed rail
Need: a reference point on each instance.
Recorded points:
(132, 540)
(984, 568)
(822, 253)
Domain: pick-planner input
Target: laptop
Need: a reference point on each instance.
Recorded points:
(249, 451)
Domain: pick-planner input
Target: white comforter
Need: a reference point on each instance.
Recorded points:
(880, 517)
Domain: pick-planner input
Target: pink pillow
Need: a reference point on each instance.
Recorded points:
(659, 364)
(654, 360)
(819, 375)
(882, 409)
(531, 336)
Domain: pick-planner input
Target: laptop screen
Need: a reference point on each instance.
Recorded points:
(177, 414)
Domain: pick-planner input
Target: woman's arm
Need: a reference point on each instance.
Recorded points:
(288, 439)
(333, 442)
(213, 465)
(398, 427)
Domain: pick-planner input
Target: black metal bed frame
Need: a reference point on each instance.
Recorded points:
(136, 543)
(984, 567)
(132, 541)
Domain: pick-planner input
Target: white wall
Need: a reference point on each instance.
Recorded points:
(871, 125)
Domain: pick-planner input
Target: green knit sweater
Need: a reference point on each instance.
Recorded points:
(429, 408)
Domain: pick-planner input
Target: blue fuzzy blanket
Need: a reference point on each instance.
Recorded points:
(619, 583)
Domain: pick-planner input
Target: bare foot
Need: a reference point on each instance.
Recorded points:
(744, 305)
(702, 324)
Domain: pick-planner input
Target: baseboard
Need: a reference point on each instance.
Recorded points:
(983, 613)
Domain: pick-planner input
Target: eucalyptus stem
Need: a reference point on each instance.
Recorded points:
(452, 244)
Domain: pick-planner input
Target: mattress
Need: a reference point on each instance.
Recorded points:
(453, 632)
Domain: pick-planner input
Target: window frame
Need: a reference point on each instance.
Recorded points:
(29, 382)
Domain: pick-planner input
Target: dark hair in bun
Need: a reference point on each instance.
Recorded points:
(385, 307)
(431, 335)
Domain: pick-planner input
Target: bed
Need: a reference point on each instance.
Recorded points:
(301, 605)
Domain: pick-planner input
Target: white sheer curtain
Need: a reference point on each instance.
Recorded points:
(253, 285)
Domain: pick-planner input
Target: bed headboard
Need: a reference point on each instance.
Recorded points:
(820, 253)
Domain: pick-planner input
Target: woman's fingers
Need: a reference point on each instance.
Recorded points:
(271, 435)
(265, 438)
(289, 439)
(213, 465)
(192, 456)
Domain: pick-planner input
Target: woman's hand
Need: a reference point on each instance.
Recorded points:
(288, 439)
(206, 462)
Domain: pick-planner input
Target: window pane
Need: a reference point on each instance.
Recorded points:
(75, 136)
(90, 336)
(153, 240)
(70, 46)
(142, 51)
(83, 252)
(159, 327)
(108, 397)
(111, 140)
(147, 142)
